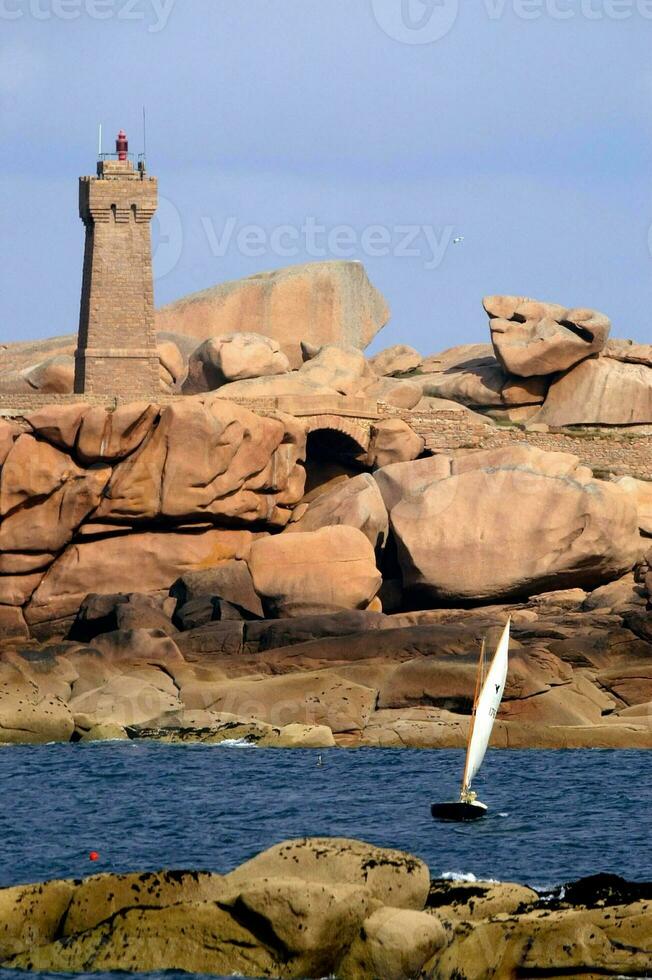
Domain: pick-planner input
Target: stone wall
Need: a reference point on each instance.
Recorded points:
(622, 451)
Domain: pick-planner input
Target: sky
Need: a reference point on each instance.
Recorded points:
(456, 147)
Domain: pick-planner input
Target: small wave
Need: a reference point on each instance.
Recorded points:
(103, 741)
(550, 893)
(235, 743)
(466, 876)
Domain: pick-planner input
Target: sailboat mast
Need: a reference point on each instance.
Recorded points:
(479, 680)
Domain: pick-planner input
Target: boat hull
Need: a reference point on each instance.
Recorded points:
(458, 811)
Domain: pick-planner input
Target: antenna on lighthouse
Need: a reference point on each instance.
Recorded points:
(144, 135)
(99, 142)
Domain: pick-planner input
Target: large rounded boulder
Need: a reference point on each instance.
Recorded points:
(533, 339)
(353, 503)
(314, 572)
(336, 300)
(509, 522)
(391, 876)
(234, 357)
(600, 391)
(392, 441)
(396, 360)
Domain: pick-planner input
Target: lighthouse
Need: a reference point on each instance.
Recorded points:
(116, 348)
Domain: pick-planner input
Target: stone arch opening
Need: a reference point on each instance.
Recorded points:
(333, 451)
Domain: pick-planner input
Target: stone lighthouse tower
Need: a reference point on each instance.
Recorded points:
(116, 349)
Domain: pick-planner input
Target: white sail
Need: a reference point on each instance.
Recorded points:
(486, 709)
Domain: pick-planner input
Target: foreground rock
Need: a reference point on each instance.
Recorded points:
(601, 927)
(325, 907)
(335, 300)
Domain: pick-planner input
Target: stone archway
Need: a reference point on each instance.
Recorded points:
(333, 449)
(352, 431)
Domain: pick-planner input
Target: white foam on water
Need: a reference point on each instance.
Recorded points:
(551, 893)
(466, 876)
(235, 743)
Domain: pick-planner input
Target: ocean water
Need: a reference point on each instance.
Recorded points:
(554, 816)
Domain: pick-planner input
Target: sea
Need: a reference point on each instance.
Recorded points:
(554, 816)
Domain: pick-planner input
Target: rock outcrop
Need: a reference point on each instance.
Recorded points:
(331, 302)
(94, 501)
(391, 877)
(325, 907)
(629, 352)
(55, 375)
(150, 561)
(29, 713)
(580, 674)
(172, 365)
(642, 493)
(92, 434)
(233, 357)
(331, 371)
(531, 521)
(600, 391)
(396, 360)
(580, 934)
(354, 503)
(392, 441)
(315, 572)
(209, 459)
(182, 570)
(479, 381)
(229, 582)
(532, 339)
(397, 392)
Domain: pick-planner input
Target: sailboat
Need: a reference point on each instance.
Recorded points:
(489, 690)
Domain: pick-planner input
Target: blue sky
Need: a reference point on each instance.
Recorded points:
(289, 130)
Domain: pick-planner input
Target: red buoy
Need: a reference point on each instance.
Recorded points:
(93, 856)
